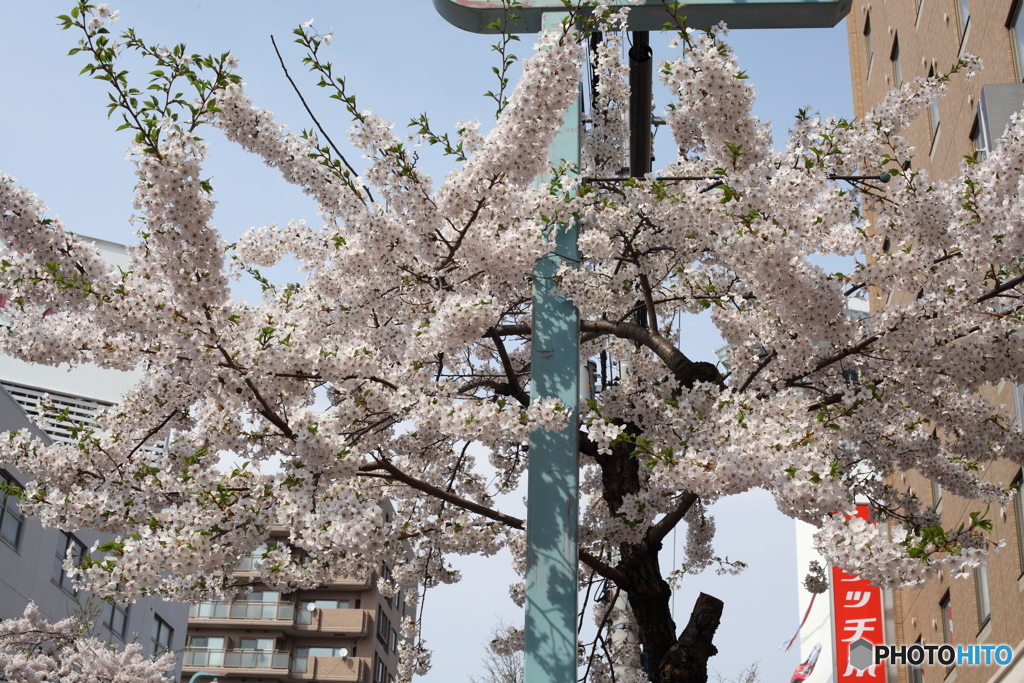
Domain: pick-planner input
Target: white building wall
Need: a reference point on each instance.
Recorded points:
(818, 628)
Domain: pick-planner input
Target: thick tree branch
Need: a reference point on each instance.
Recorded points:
(996, 291)
(441, 494)
(515, 389)
(684, 369)
(660, 530)
(760, 366)
(393, 472)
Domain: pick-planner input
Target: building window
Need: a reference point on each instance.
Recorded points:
(1016, 28)
(393, 643)
(321, 652)
(947, 623)
(383, 625)
(915, 673)
(163, 635)
(380, 672)
(10, 513)
(978, 142)
(324, 604)
(981, 591)
(869, 50)
(897, 67)
(936, 495)
(1018, 517)
(207, 651)
(65, 543)
(963, 17)
(263, 596)
(115, 618)
(258, 644)
(933, 114)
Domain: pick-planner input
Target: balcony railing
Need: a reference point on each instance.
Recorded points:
(252, 611)
(237, 659)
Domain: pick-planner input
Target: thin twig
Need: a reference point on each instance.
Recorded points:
(315, 121)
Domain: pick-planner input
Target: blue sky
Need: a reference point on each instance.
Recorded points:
(401, 60)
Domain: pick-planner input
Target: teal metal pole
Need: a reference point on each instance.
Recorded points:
(553, 493)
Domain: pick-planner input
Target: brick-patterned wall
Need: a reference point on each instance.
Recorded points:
(930, 38)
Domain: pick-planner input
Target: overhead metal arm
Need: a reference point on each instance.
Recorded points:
(476, 15)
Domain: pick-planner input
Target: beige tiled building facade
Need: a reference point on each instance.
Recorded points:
(891, 42)
(345, 631)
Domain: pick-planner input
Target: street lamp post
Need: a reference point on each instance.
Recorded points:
(553, 478)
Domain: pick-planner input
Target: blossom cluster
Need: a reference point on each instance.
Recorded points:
(33, 650)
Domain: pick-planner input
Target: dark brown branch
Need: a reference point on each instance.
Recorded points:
(398, 475)
(518, 330)
(652, 312)
(153, 431)
(660, 530)
(1009, 284)
(441, 494)
(684, 369)
(835, 358)
(515, 389)
(760, 366)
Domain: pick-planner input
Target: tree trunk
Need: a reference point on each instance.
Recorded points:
(687, 660)
(673, 659)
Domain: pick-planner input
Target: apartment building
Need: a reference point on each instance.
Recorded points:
(345, 631)
(31, 557)
(890, 42)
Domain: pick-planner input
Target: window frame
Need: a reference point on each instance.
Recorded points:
(59, 576)
(934, 122)
(983, 597)
(383, 625)
(962, 9)
(258, 648)
(7, 512)
(110, 609)
(978, 142)
(895, 63)
(915, 673)
(946, 617)
(160, 625)
(1018, 515)
(1016, 29)
(869, 48)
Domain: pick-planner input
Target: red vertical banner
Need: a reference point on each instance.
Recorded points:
(859, 620)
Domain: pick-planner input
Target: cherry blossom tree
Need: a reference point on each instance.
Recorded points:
(34, 650)
(398, 368)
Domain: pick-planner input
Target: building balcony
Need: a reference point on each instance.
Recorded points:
(257, 662)
(335, 669)
(243, 613)
(277, 664)
(355, 623)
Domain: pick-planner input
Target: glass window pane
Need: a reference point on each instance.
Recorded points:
(1018, 36)
(10, 527)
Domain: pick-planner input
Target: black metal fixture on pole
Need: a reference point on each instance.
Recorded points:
(640, 98)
